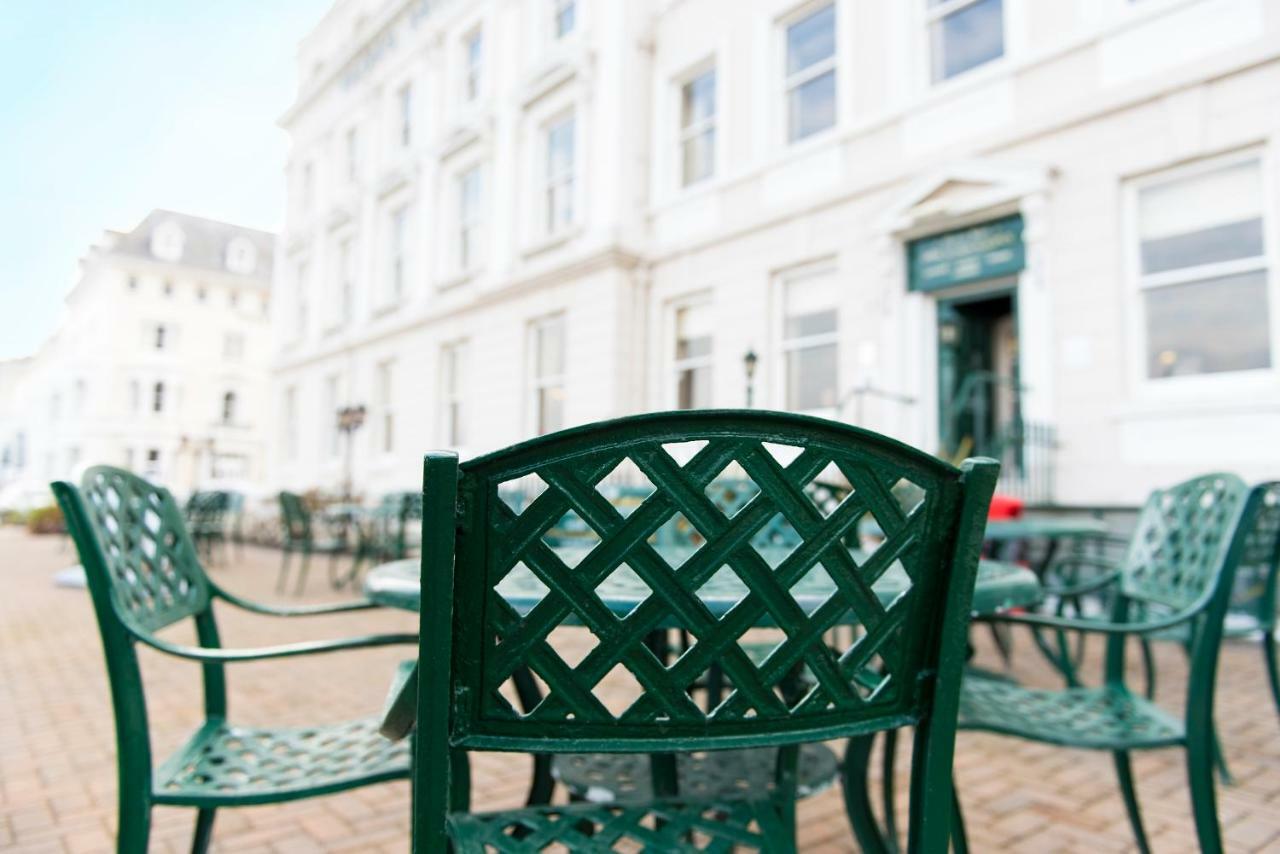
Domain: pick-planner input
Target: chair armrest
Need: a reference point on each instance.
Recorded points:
(211, 655)
(400, 712)
(293, 610)
(1095, 626)
(1084, 587)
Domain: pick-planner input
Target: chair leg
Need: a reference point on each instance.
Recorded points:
(302, 572)
(284, 569)
(204, 831)
(857, 804)
(134, 831)
(1124, 771)
(887, 786)
(1273, 673)
(1204, 804)
(959, 836)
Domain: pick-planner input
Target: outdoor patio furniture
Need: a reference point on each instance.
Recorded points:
(144, 575)
(298, 534)
(208, 515)
(902, 667)
(382, 533)
(1179, 571)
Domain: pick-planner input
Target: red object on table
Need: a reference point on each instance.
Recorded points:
(1005, 507)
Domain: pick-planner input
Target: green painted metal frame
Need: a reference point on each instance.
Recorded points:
(298, 534)
(1178, 573)
(471, 538)
(143, 575)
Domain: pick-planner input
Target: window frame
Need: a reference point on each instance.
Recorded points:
(404, 102)
(677, 365)
(472, 77)
(453, 404)
(470, 231)
(158, 394)
(1138, 284)
(567, 181)
(688, 133)
(227, 413)
(931, 15)
(384, 392)
(785, 345)
(396, 281)
(558, 8)
(790, 81)
(538, 383)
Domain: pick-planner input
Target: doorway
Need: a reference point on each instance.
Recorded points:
(978, 387)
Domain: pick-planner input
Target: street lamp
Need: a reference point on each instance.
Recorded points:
(350, 419)
(749, 360)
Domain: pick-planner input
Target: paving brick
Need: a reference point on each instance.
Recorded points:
(57, 747)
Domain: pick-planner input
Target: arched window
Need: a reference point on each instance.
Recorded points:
(229, 408)
(157, 397)
(167, 241)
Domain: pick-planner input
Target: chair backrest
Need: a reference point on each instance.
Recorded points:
(295, 517)
(143, 575)
(1256, 578)
(1178, 550)
(621, 696)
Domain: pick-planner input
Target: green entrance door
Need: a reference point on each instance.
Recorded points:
(978, 402)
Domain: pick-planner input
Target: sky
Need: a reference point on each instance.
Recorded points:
(111, 109)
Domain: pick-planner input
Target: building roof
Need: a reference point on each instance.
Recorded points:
(204, 243)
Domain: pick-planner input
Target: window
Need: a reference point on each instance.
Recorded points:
(453, 366)
(548, 374)
(308, 186)
(811, 74)
(329, 417)
(168, 288)
(135, 396)
(963, 34)
(229, 408)
(698, 128)
(693, 325)
(81, 395)
(167, 241)
(406, 114)
(55, 407)
(399, 237)
(301, 300)
(157, 397)
(353, 154)
(159, 337)
(809, 341)
(133, 283)
(564, 18)
(128, 458)
(560, 175)
(1202, 270)
(473, 65)
(242, 256)
(233, 346)
(346, 282)
(290, 422)
(202, 293)
(470, 226)
(385, 390)
(152, 469)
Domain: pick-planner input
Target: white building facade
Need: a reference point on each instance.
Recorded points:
(1044, 231)
(160, 363)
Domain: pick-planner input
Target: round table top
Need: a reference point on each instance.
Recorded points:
(1044, 527)
(999, 585)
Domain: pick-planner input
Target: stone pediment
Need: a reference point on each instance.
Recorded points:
(963, 189)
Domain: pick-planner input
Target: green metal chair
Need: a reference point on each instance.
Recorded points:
(298, 534)
(208, 513)
(383, 534)
(144, 575)
(902, 668)
(1178, 572)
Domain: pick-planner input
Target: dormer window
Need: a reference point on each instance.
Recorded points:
(167, 241)
(242, 256)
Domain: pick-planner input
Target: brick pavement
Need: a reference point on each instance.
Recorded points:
(57, 772)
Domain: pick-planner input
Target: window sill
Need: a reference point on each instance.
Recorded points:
(553, 241)
(457, 280)
(388, 308)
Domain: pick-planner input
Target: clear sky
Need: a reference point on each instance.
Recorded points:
(109, 109)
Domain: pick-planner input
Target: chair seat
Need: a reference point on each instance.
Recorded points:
(1106, 718)
(224, 764)
(625, 777)
(669, 825)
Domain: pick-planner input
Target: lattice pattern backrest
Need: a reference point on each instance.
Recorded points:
(295, 516)
(153, 573)
(620, 686)
(1181, 541)
(1260, 555)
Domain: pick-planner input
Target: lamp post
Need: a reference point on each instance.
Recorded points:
(749, 360)
(350, 419)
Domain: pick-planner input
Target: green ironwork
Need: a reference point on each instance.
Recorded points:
(902, 667)
(1178, 572)
(299, 534)
(208, 518)
(144, 574)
